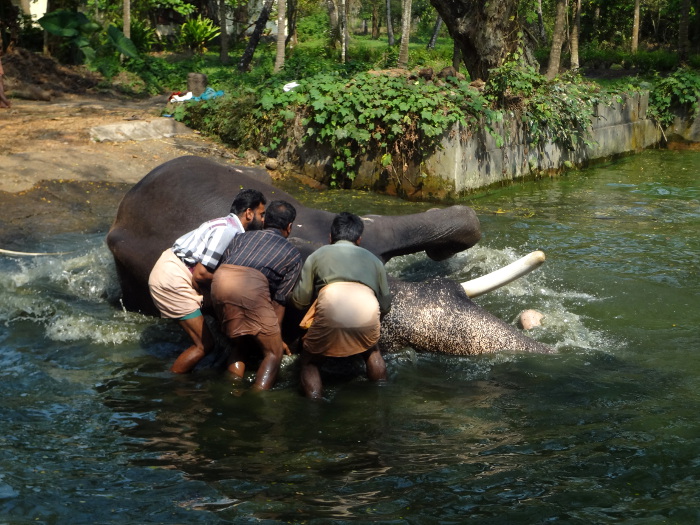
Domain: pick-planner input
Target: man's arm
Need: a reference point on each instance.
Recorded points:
(201, 277)
(279, 311)
(303, 292)
(383, 294)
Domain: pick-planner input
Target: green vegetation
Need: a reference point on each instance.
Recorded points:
(196, 33)
(680, 90)
(356, 104)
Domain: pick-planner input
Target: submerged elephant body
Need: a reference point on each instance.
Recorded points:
(437, 316)
(179, 195)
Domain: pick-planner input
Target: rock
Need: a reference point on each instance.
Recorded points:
(197, 83)
(272, 164)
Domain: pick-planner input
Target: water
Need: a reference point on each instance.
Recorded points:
(95, 430)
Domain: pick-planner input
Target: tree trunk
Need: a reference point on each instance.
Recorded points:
(596, 21)
(485, 33)
(127, 18)
(244, 63)
(575, 32)
(405, 34)
(635, 27)
(436, 30)
(389, 25)
(456, 56)
(281, 37)
(557, 40)
(375, 20)
(334, 17)
(292, 14)
(683, 42)
(540, 22)
(223, 52)
(342, 8)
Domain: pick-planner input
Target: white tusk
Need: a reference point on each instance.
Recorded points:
(503, 276)
(30, 254)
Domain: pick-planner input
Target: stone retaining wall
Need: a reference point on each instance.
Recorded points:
(471, 160)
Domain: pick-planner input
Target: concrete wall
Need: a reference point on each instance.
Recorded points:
(471, 162)
(472, 159)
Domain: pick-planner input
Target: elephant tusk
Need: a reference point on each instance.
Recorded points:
(503, 276)
(30, 254)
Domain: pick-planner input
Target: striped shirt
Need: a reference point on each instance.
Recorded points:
(208, 243)
(269, 252)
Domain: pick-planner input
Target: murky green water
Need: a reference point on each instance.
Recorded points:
(95, 430)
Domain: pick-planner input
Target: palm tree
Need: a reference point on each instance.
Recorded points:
(635, 27)
(281, 38)
(405, 33)
(223, 51)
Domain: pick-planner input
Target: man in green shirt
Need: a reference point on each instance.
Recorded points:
(351, 290)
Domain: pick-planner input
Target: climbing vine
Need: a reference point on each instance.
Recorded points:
(679, 90)
(397, 119)
(394, 117)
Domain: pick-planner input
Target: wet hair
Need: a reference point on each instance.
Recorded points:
(245, 199)
(279, 214)
(346, 227)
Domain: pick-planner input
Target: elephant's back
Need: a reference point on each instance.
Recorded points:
(187, 191)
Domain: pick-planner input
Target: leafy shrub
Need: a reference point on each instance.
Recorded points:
(196, 33)
(314, 26)
(561, 110)
(229, 118)
(680, 91)
(143, 36)
(512, 79)
(398, 119)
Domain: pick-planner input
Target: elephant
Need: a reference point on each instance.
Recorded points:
(179, 195)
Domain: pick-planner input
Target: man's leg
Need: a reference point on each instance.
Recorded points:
(202, 343)
(376, 367)
(311, 376)
(235, 364)
(272, 349)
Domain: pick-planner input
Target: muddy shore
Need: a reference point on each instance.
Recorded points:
(55, 178)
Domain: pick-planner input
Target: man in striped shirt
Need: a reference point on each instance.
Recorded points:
(180, 280)
(250, 289)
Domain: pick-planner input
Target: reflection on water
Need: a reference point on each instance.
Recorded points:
(95, 430)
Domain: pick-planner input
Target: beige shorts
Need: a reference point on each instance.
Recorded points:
(170, 284)
(346, 321)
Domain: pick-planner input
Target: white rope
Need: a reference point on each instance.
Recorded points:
(30, 254)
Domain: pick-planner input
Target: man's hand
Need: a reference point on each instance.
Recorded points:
(286, 349)
(201, 277)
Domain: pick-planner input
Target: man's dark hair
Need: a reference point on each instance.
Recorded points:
(279, 214)
(245, 199)
(346, 227)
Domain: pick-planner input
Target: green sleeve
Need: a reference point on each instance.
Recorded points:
(303, 292)
(383, 294)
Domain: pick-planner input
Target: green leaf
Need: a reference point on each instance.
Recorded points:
(122, 44)
(63, 22)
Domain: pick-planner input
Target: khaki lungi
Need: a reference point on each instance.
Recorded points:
(170, 284)
(345, 322)
(241, 300)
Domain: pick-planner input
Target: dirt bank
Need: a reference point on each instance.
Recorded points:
(54, 178)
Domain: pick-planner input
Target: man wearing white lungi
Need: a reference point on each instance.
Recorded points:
(351, 290)
(180, 279)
